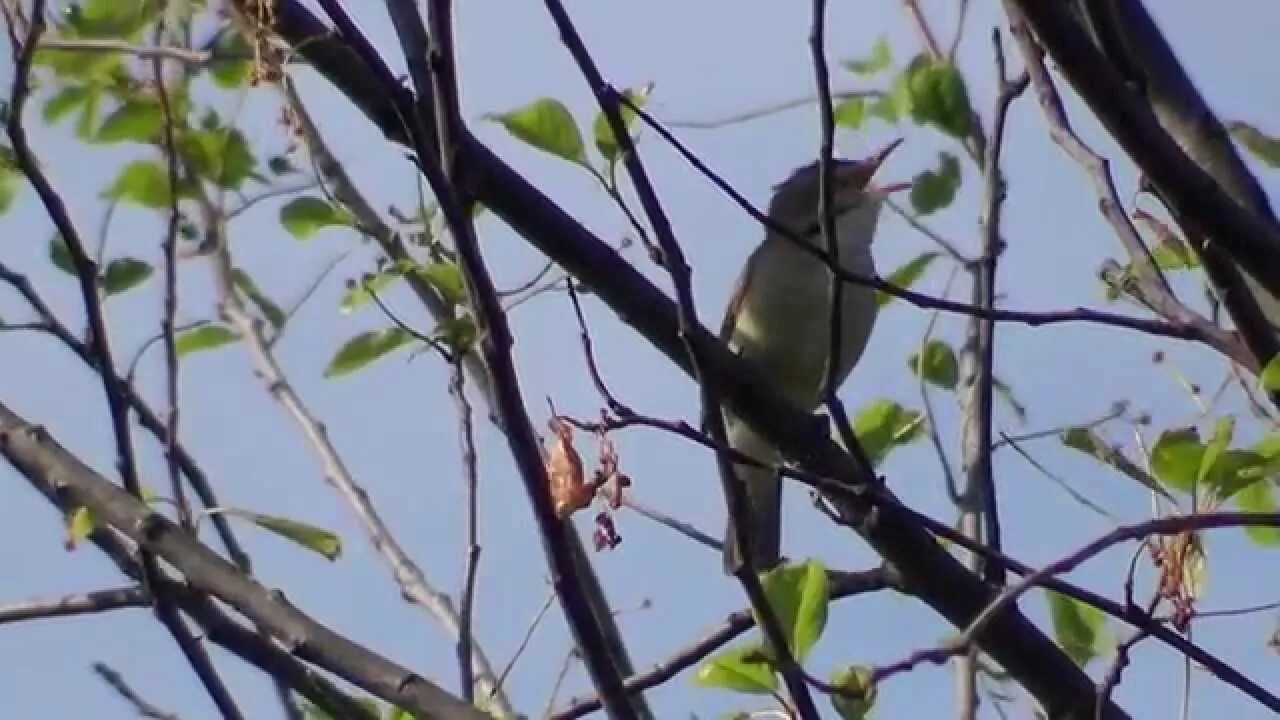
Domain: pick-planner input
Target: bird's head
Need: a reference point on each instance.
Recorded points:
(796, 201)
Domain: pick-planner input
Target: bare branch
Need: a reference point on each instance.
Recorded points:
(74, 604)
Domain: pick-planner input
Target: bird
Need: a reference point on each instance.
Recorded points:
(779, 320)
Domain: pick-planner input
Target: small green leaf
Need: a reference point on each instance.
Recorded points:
(1169, 251)
(364, 349)
(933, 190)
(1080, 628)
(938, 97)
(850, 112)
(1087, 441)
(309, 536)
(798, 594)
(939, 365)
(8, 188)
(124, 274)
(1175, 458)
(1235, 470)
(1265, 147)
(1257, 497)
(605, 141)
(873, 63)
(744, 668)
(63, 102)
(232, 68)
(219, 155)
(205, 337)
(361, 291)
(1223, 430)
(547, 125)
(269, 309)
(458, 333)
(853, 678)
(883, 425)
(135, 121)
(142, 182)
(305, 216)
(60, 256)
(80, 525)
(1269, 378)
(906, 275)
(447, 279)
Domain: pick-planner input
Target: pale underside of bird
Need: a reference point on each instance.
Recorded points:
(779, 319)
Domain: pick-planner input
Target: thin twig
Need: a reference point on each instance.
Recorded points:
(170, 309)
(140, 706)
(757, 113)
(524, 641)
(471, 563)
(74, 604)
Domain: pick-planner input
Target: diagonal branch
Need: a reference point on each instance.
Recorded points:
(67, 481)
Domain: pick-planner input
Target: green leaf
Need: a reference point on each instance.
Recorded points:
(269, 309)
(850, 112)
(906, 275)
(939, 365)
(1223, 430)
(205, 337)
(873, 63)
(1079, 628)
(63, 102)
(883, 425)
(1257, 497)
(744, 669)
(447, 279)
(309, 536)
(60, 256)
(109, 18)
(305, 216)
(887, 108)
(854, 678)
(80, 525)
(1269, 378)
(1169, 251)
(458, 333)
(935, 189)
(219, 155)
(142, 182)
(361, 292)
(88, 119)
(1265, 147)
(9, 182)
(134, 121)
(1235, 470)
(547, 125)
(605, 141)
(364, 349)
(798, 594)
(1175, 458)
(228, 72)
(124, 274)
(1087, 441)
(937, 96)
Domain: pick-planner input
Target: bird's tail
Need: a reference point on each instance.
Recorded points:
(763, 499)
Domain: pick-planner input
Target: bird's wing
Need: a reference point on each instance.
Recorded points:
(737, 297)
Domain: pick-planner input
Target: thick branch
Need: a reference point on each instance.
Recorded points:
(59, 474)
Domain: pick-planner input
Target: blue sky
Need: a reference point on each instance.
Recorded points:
(395, 424)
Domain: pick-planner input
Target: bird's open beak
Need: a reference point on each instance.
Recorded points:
(873, 164)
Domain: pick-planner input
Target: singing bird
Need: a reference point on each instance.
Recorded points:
(779, 319)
